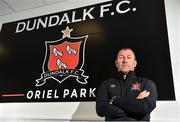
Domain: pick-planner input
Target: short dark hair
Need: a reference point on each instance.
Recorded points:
(127, 48)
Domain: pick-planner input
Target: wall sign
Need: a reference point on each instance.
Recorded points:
(66, 55)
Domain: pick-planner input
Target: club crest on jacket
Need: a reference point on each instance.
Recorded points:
(136, 86)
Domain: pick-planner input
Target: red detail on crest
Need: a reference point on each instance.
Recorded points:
(67, 60)
(136, 86)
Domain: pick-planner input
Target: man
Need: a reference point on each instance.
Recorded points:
(127, 97)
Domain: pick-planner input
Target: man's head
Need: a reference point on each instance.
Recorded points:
(126, 60)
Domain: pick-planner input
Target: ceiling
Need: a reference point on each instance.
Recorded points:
(14, 6)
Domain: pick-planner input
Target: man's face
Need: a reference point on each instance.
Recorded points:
(125, 61)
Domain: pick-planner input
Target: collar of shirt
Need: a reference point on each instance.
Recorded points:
(129, 76)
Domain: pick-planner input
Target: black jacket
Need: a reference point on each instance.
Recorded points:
(125, 106)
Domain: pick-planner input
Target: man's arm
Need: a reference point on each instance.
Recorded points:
(103, 108)
(139, 106)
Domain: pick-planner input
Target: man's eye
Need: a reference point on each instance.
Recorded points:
(120, 57)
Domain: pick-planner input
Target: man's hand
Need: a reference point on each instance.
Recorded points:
(110, 102)
(143, 94)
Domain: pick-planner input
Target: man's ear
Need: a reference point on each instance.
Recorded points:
(115, 62)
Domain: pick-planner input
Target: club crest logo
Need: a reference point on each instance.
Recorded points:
(64, 58)
(136, 86)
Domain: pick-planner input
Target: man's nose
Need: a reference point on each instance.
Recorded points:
(124, 60)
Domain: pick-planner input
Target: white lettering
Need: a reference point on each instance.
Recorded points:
(74, 17)
(87, 13)
(37, 94)
(49, 94)
(84, 14)
(43, 94)
(66, 92)
(91, 92)
(55, 94)
(20, 27)
(42, 23)
(83, 92)
(102, 9)
(29, 95)
(119, 4)
(65, 18)
(28, 28)
(54, 18)
(74, 93)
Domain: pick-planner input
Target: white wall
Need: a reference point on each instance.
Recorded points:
(173, 22)
(52, 8)
(0, 23)
(86, 110)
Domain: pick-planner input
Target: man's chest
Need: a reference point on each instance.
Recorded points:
(125, 89)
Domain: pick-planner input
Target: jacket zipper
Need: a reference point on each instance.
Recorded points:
(123, 88)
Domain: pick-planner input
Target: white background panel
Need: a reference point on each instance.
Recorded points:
(4, 8)
(24, 4)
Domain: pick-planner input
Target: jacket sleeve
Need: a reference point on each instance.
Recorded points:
(139, 106)
(103, 108)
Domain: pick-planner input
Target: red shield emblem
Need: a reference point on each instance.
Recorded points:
(64, 58)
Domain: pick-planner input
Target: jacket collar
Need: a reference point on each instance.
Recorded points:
(129, 76)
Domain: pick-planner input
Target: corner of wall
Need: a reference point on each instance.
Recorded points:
(0, 23)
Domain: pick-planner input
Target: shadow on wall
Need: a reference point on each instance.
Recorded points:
(86, 111)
